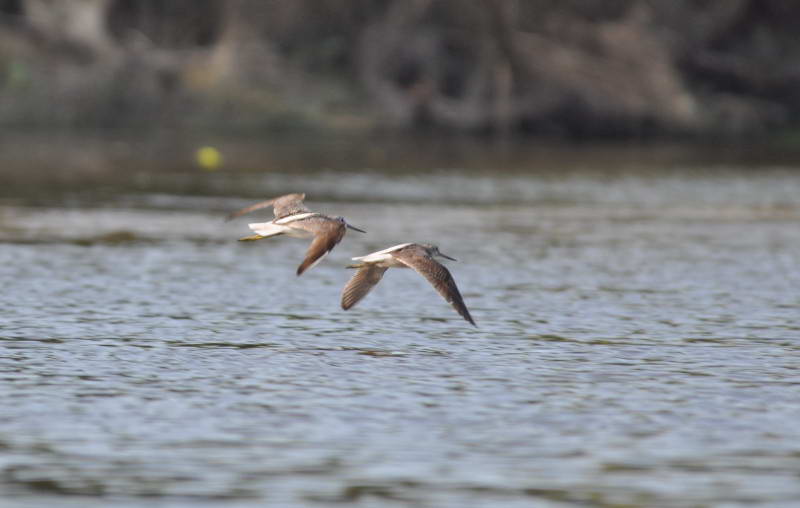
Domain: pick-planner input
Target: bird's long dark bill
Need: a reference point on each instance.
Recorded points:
(353, 227)
(448, 257)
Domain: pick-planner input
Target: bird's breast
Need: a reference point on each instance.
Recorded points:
(297, 232)
(390, 262)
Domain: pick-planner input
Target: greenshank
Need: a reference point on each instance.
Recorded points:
(420, 257)
(293, 219)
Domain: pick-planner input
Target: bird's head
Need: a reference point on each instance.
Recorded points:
(347, 225)
(433, 251)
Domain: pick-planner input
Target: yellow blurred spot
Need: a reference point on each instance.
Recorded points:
(208, 158)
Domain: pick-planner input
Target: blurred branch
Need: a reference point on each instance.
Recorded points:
(78, 24)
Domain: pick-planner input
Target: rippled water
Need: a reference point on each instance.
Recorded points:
(638, 341)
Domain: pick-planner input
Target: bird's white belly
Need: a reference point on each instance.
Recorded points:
(268, 229)
(291, 218)
(382, 259)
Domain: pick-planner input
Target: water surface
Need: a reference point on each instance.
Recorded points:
(638, 339)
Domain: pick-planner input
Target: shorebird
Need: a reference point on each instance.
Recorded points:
(293, 219)
(420, 257)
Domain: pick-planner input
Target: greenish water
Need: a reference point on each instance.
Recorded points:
(638, 340)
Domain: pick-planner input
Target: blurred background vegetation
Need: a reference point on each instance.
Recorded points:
(563, 68)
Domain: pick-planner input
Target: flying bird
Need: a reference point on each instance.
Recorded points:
(293, 219)
(420, 257)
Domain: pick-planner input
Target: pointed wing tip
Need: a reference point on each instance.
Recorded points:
(463, 312)
(348, 301)
(305, 265)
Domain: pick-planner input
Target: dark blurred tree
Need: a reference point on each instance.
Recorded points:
(567, 67)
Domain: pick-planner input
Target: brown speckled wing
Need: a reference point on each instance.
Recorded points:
(360, 284)
(288, 204)
(438, 276)
(327, 233)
